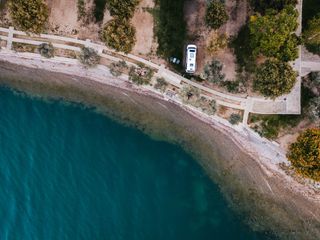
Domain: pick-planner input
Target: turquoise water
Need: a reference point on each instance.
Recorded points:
(69, 173)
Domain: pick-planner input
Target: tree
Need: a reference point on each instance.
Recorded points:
(117, 68)
(161, 84)
(46, 50)
(314, 109)
(122, 9)
(216, 14)
(89, 57)
(272, 35)
(30, 16)
(311, 35)
(119, 34)
(274, 78)
(140, 75)
(212, 72)
(315, 78)
(304, 154)
(263, 5)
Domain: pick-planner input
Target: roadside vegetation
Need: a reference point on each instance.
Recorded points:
(304, 154)
(29, 16)
(171, 28)
(46, 50)
(141, 75)
(118, 68)
(89, 57)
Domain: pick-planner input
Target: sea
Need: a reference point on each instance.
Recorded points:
(69, 172)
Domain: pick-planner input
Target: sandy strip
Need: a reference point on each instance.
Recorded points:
(243, 164)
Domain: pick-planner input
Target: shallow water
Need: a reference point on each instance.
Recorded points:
(69, 173)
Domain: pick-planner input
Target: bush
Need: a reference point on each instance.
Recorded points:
(81, 9)
(274, 78)
(311, 35)
(122, 9)
(140, 75)
(89, 57)
(234, 118)
(161, 84)
(262, 5)
(119, 34)
(46, 50)
(304, 154)
(272, 35)
(116, 69)
(217, 42)
(189, 93)
(216, 14)
(212, 72)
(314, 109)
(30, 16)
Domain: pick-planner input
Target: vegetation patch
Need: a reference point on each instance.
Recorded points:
(119, 34)
(311, 35)
(99, 9)
(46, 50)
(216, 14)
(117, 68)
(304, 154)
(311, 8)
(234, 118)
(122, 9)
(161, 84)
(217, 42)
(171, 28)
(274, 78)
(30, 16)
(212, 72)
(272, 34)
(262, 6)
(141, 75)
(89, 57)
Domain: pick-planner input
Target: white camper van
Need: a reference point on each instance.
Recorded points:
(191, 58)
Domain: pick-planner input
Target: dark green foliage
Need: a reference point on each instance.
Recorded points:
(216, 14)
(99, 9)
(274, 78)
(122, 8)
(314, 109)
(262, 5)
(119, 34)
(315, 78)
(234, 118)
(304, 154)
(272, 35)
(46, 50)
(81, 9)
(311, 8)
(29, 15)
(89, 57)
(161, 84)
(311, 35)
(140, 75)
(212, 72)
(171, 28)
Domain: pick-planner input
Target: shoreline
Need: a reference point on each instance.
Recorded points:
(262, 156)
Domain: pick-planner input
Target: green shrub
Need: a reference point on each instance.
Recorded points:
(217, 42)
(314, 109)
(119, 34)
(46, 50)
(30, 15)
(311, 35)
(304, 154)
(315, 78)
(212, 72)
(234, 118)
(272, 35)
(122, 9)
(216, 14)
(81, 9)
(161, 84)
(89, 57)
(140, 75)
(274, 78)
(117, 68)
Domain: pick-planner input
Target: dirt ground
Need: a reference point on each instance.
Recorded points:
(63, 19)
(143, 22)
(198, 32)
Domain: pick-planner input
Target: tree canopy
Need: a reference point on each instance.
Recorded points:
(312, 35)
(30, 16)
(274, 78)
(122, 9)
(272, 34)
(119, 34)
(216, 14)
(263, 5)
(304, 154)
